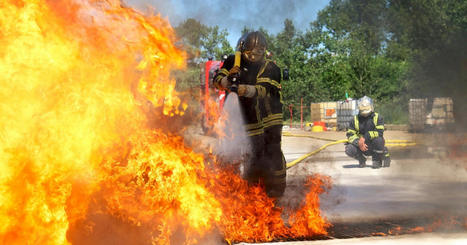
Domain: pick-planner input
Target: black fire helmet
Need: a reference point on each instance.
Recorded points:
(253, 46)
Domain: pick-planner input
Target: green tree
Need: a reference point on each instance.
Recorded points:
(434, 35)
(192, 33)
(201, 43)
(349, 52)
(390, 50)
(215, 44)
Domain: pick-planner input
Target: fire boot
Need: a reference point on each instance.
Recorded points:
(361, 161)
(377, 164)
(386, 158)
(275, 180)
(377, 159)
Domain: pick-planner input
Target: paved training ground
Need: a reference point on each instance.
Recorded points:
(418, 190)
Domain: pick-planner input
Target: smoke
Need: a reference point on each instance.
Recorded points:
(234, 15)
(233, 146)
(443, 74)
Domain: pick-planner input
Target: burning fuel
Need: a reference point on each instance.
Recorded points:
(80, 82)
(398, 226)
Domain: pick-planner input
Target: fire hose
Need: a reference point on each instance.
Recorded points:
(400, 143)
(294, 162)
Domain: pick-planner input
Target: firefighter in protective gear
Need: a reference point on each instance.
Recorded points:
(365, 136)
(260, 100)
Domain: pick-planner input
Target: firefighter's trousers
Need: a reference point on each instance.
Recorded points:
(376, 149)
(268, 163)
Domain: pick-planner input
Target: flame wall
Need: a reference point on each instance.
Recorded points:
(78, 163)
(73, 77)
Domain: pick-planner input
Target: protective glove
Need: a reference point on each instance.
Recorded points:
(234, 74)
(241, 90)
(246, 90)
(225, 83)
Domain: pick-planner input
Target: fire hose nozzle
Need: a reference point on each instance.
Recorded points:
(235, 80)
(234, 86)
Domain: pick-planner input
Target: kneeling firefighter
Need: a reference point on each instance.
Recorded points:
(365, 136)
(256, 80)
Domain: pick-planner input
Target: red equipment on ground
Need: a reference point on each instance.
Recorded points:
(210, 93)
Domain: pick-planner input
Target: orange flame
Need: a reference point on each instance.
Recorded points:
(78, 163)
(250, 216)
(442, 223)
(214, 123)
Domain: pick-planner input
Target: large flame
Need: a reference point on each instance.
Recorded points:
(78, 162)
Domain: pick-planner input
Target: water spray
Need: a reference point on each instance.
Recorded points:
(233, 147)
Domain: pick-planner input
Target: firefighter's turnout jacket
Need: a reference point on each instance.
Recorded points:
(265, 108)
(263, 118)
(369, 127)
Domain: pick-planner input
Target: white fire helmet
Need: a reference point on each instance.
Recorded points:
(365, 106)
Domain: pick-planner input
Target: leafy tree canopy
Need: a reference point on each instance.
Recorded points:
(387, 49)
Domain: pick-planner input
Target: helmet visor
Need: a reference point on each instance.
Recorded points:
(365, 110)
(365, 106)
(254, 55)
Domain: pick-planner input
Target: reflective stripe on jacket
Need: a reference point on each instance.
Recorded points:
(373, 127)
(265, 108)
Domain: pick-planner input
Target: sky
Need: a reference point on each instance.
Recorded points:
(233, 15)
